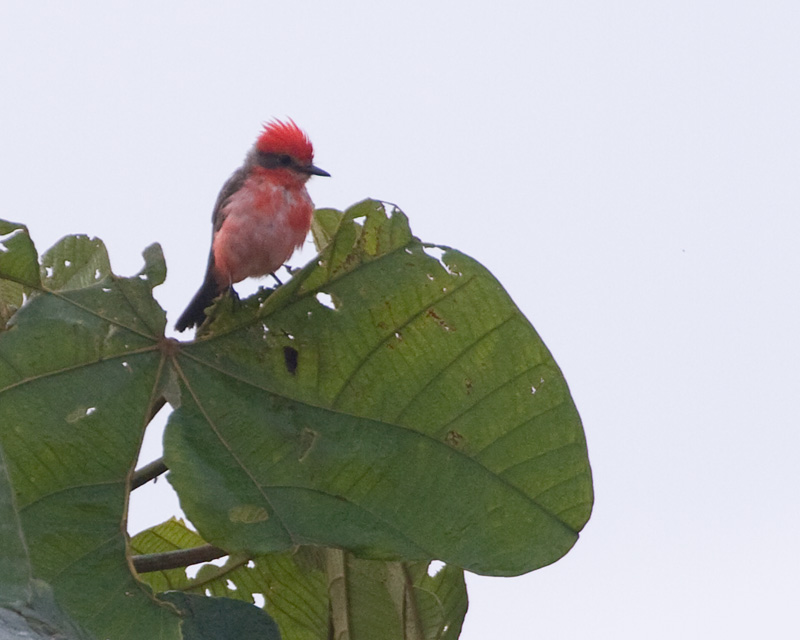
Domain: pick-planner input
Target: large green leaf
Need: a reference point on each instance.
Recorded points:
(80, 369)
(386, 401)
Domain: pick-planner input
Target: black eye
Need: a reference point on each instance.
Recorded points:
(285, 160)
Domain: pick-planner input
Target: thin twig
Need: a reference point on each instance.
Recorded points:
(149, 562)
(154, 469)
(148, 472)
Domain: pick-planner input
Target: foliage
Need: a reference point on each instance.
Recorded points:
(387, 406)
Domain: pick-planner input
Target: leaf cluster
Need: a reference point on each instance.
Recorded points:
(387, 406)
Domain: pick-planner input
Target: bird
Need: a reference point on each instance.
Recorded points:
(261, 216)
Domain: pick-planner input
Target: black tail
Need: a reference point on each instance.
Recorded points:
(195, 315)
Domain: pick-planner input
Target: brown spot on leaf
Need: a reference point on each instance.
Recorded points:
(439, 320)
(454, 439)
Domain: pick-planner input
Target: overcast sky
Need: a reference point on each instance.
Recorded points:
(628, 170)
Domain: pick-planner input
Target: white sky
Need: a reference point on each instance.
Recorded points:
(628, 170)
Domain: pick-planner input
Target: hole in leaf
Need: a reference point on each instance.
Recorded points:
(191, 572)
(438, 254)
(435, 567)
(326, 300)
(435, 252)
(258, 600)
(6, 238)
(80, 413)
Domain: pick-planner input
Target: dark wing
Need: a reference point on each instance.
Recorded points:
(194, 314)
(233, 184)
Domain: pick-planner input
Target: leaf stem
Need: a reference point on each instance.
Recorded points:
(149, 562)
(336, 568)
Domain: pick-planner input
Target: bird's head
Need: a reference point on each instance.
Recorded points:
(284, 146)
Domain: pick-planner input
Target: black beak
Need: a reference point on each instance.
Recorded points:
(316, 171)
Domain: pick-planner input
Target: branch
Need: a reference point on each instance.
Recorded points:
(147, 473)
(150, 562)
(154, 469)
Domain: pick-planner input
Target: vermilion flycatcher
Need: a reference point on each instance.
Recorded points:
(262, 214)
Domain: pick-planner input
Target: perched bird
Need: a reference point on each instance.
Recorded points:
(262, 214)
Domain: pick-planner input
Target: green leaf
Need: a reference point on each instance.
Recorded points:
(420, 417)
(19, 261)
(80, 369)
(221, 618)
(155, 268)
(394, 600)
(75, 262)
(27, 606)
(15, 568)
(442, 599)
(19, 268)
(12, 296)
(324, 225)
